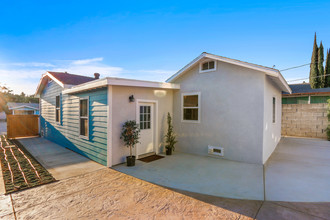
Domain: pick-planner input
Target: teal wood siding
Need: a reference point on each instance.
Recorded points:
(66, 133)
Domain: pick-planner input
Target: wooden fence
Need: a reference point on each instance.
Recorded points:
(22, 125)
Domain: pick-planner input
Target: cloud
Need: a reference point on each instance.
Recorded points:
(87, 61)
(29, 64)
(24, 77)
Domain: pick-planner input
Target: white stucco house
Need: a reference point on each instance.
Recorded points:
(221, 107)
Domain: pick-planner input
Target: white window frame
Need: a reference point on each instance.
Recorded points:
(84, 117)
(59, 108)
(274, 110)
(208, 70)
(199, 106)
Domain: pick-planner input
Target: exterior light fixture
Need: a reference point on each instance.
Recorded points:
(131, 98)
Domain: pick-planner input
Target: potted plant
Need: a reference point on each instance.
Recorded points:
(170, 136)
(130, 134)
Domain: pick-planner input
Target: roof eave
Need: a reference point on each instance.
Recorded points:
(47, 74)
(109, 81)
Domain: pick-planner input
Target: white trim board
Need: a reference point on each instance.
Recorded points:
(109, 129)
(119, 82)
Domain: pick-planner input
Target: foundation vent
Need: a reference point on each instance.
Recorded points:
(215, 150)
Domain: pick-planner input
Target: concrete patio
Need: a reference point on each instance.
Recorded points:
(202, 174)
(298, 171)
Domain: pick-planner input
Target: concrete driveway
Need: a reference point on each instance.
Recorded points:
(61, 162)
(299, 171)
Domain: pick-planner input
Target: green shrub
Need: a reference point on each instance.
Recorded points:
(170, 136)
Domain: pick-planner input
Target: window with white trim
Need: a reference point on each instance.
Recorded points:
(274, 109)
(191, 107)
(58, 109)
(207, 66)
(83, 117)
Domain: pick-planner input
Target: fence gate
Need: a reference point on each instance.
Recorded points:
(22, 125)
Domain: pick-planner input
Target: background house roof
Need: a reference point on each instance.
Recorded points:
(305, 88)
(15, 105)
(71, 79)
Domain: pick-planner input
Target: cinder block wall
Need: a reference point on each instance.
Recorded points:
(304, 120)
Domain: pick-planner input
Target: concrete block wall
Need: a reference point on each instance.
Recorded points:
(304, 120)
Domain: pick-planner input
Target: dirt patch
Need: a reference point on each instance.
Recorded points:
(20, 169)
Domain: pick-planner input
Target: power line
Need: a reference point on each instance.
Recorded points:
(307, 78)
(295, 67)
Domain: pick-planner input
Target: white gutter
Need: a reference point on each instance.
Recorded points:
(120, 82)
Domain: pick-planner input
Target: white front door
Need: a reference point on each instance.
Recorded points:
(145, 120)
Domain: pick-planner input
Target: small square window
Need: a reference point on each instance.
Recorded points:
(208, 66)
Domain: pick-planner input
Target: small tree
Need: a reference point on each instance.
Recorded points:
(170, 136)
(314, 71)
(321, 79)
(130, 134)
(327, 71)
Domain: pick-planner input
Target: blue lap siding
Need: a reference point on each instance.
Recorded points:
(66, 132)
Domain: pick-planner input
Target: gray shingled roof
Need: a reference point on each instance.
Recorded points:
(306, 88)
(16, 105)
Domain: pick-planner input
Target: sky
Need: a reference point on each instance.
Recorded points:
(151, 40)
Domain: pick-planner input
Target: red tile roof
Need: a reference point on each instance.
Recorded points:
(71, 79)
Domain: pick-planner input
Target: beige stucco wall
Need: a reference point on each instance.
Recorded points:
(123, 110)
(272, 131)
(305, 120)
(232, 109)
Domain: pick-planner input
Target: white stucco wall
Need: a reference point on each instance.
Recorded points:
(272, 131)
(232, 109)
(123, 110)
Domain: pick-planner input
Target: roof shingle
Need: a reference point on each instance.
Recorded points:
(306, 88)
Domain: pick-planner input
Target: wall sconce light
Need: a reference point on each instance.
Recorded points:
(131, 98)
